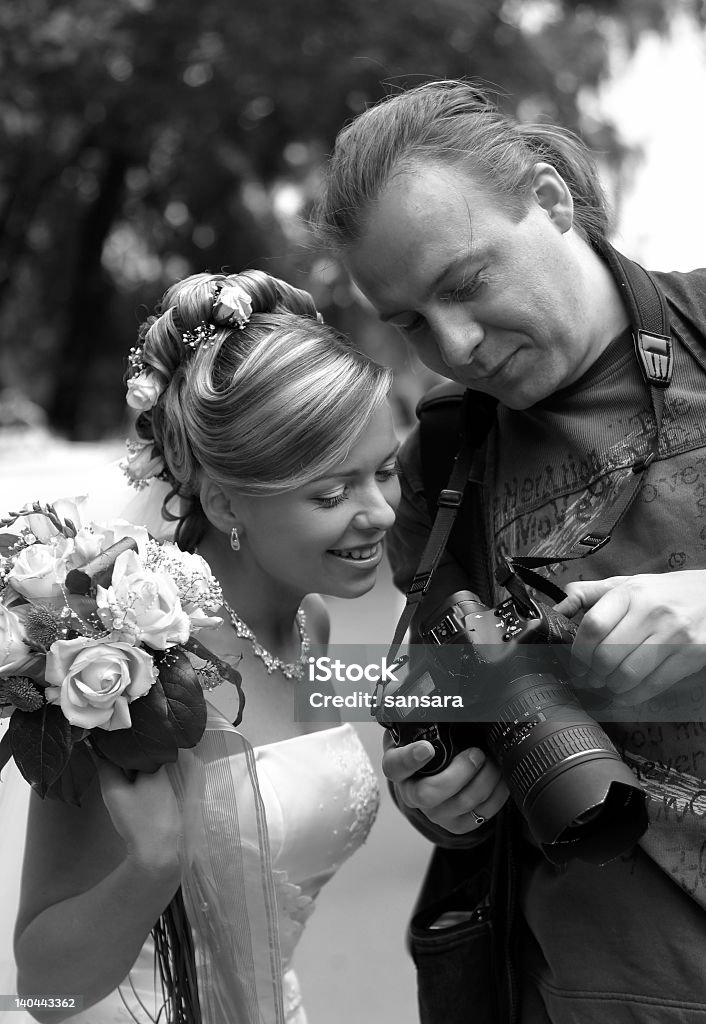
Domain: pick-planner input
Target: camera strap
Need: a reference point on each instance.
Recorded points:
(448, 504)
(653, 345)
(654, 351)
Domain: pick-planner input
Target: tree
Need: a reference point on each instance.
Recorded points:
(142, 141)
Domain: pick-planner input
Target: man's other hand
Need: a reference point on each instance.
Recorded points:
(469, 789)
(639, 634)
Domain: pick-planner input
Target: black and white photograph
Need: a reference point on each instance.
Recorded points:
(352, 512)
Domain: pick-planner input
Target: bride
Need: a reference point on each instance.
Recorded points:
(270, 440)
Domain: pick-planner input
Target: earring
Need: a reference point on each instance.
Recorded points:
(234, 539)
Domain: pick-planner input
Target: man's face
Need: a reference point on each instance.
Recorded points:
(494, 300)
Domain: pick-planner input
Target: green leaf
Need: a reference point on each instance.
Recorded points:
(186, 705)
(5, 750)
(227, 671)
(41, 745)
(149, 743)
(7, 540)
(85, 608)
(75, 778)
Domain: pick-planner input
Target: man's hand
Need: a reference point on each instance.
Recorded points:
(640, 634)
(468, 789)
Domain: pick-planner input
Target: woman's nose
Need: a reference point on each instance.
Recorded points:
(376, 514)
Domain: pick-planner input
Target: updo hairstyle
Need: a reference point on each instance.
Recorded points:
(262, 408)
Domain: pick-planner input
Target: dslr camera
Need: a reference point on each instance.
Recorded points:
(508, 665)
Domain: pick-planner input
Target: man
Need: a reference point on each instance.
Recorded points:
(484, 242)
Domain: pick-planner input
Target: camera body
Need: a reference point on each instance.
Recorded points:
(508, 664)
(486, 641)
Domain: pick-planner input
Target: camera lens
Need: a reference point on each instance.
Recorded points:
(578, 797)
(583, 819)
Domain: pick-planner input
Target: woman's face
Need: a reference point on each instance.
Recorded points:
(326, 536)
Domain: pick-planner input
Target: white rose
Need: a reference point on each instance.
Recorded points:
(36, 572)
(63, 549)
(142, 605)
(66, 508)
(87, 546)
(199, 591)
(90, 541)
(199, 587)
(143, 391)
(118, 529)
(233, 306)
(202, 579)
(94, 681)
(141, 462)
(14, 652)
(199, 620)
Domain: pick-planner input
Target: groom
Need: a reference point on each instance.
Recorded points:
(485, 243)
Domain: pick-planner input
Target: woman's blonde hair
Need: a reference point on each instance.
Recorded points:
(263, 408)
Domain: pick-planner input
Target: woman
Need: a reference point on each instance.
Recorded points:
(275, 439)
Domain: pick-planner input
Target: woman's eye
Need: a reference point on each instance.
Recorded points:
(409, 323)
(331, 500)
(414, 325)
(388, 472)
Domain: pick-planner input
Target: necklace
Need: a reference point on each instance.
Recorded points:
(291, 669)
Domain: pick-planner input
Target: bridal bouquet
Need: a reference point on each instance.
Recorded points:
(98, 656)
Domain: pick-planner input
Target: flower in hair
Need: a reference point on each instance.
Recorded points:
(135, 362)
(142, 463)
(202, 334)
(143, 391)
(232, 305)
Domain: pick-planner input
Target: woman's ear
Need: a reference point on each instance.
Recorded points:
(220, 507)
(552, 193)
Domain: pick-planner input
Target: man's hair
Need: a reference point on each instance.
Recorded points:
(455, 123)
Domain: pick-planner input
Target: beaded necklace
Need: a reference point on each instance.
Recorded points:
(291, 669)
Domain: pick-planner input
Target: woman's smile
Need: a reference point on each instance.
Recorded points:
(366, 556)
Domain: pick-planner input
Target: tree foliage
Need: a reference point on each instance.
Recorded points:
(144, 140)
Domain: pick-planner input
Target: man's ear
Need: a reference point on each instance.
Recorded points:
(219, 506)
(552, 193)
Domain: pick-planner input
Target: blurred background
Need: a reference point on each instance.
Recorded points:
(143, 141)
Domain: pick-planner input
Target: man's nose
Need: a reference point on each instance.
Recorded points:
(457, 339)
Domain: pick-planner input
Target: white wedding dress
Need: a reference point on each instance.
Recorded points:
(320, 796)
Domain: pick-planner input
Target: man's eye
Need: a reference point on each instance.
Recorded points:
(388, 472)
(466, 290)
